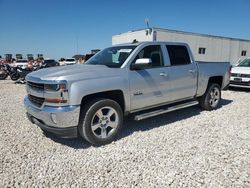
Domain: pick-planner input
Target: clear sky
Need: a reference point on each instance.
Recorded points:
(53, 27)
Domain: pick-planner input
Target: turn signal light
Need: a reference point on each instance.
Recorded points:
(55, 100)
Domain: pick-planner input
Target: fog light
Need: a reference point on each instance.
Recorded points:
(53, 118)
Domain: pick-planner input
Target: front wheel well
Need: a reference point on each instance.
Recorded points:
(116, 95)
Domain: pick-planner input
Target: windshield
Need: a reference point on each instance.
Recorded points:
(49, 61)
(70, 60)
(112, 57)
(245, 63)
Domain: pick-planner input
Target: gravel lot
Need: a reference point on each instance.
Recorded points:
(187, 148)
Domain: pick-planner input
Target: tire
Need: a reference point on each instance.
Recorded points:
(3, 74)
(14, 77)
(101, 120)
(211, 99)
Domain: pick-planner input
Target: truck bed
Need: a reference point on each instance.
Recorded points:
(211, 69)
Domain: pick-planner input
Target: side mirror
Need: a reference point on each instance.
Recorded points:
(141, 64)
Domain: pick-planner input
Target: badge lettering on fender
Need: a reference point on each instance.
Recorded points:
(138, 93)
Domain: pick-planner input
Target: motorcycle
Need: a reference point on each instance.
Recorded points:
(3, 73)
(18, 74)
(15, 73)
(6, 70)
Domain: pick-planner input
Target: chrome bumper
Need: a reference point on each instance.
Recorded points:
(54, 117)
(240, 86)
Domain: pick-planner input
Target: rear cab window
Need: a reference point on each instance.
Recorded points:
(178, 55)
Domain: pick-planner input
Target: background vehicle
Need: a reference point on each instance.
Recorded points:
(70, 61)
(50, 63)
(61, 61)
(88, 56)
(22, 63)
(240, 74)
(144, 79)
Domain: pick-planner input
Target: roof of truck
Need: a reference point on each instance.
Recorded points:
(151, 42)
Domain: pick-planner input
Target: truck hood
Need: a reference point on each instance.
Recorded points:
(74, 72)
(241, 70)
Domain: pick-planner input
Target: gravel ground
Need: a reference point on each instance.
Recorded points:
(186, 148)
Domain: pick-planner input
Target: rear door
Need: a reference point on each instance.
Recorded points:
(182, 74)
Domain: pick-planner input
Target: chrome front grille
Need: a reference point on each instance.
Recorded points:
(37, 101)
(240, 75)
(240, 83)
(35, 86)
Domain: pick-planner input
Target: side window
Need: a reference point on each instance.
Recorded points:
(178, 55)
(115, 57)
(154, 53)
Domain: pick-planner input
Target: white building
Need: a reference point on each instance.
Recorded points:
(205, 47)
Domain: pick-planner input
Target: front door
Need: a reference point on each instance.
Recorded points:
(148, 86)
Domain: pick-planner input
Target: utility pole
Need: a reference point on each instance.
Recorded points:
(77, 44)
(147, 22)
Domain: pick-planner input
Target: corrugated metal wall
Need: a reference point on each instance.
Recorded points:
(217, 48)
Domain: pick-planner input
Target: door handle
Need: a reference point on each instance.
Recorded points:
(163, 74)
(191, 71)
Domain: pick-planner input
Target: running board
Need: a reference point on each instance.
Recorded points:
(163, 111)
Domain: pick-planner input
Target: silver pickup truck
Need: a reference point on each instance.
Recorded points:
(143, 79)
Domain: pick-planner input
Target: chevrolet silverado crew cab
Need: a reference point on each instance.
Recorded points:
(143, 79)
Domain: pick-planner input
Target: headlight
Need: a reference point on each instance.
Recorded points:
(57, 93)
(55, 87)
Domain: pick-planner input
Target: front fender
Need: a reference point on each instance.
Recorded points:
(82, 88)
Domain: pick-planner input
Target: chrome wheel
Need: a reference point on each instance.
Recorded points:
(214, 97)
(104, 122)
